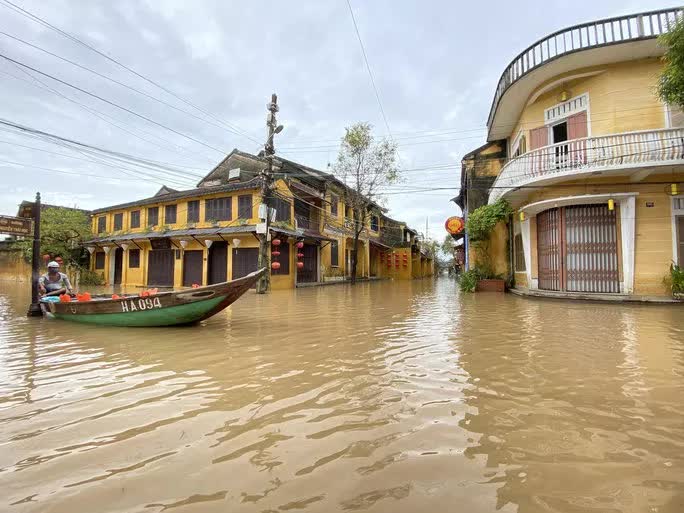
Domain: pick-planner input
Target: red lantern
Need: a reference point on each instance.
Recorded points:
(300, 265)
(275, 253)
(300, 245)
(300, 255)
(275, 266)
(275, 242)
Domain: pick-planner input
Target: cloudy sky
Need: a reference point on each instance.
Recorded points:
(435, 64)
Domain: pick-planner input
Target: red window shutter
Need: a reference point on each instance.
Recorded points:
(577, 125)
(539, 137)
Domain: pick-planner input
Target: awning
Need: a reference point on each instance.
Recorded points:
(191, 232)
(301, 234)
(380, 244)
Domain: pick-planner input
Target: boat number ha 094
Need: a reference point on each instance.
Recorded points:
(147, 303)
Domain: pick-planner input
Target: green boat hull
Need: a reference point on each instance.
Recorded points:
(170, 316)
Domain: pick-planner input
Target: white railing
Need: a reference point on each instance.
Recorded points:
(590, 154)
(646, 25)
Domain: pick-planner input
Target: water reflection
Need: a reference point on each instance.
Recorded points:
(384, 397)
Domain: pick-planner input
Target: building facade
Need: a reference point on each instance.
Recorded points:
(208, 234)
(593, 162)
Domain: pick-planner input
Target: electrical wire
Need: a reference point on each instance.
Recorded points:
(8, 4)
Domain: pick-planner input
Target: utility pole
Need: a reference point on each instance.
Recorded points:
(266, 183)
(35, 310)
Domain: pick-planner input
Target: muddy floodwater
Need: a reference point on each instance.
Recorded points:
(396, 397)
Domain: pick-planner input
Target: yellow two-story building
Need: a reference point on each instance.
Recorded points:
(208, 234)
(590, 159)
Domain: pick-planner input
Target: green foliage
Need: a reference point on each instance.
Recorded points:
(481, 221)
(467, 281)
(670, 86)
(62, 232)
(675, 279)
(89, 277)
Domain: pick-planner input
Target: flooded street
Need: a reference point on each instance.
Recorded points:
(392, 396)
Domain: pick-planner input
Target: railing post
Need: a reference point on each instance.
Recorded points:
(640, 25)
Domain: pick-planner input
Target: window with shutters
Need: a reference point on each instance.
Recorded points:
(193, 211)
(101, 224)
(245, 206)
(134, 258)
(334, 254)
(118, 221)
(218, 209)
(99, 260)
(678, 229)
(283, 210)
(135, 219)
(334, 200)
(374, 223)
(170, 214)
(519, 253)
(153, 216)
(283, 259)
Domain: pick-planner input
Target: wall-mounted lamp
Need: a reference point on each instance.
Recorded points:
(91, 249)
(183, 243)
(611, 204)
(208, 243)
(673, 189)
(124, 246)
(236, 243)
(522, 216)
(107, 249)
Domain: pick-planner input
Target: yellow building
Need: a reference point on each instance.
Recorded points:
(595, 162)
(208, 234)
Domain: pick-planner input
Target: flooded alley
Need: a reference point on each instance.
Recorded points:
(388, 396)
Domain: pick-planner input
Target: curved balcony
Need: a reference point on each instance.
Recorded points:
(586, 36)
(591, 155)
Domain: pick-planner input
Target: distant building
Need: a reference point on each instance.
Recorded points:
(589, 158)
(208, 234)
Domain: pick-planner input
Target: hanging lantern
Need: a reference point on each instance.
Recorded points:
(275, 253)
(300, 265)
(183, 243)
(275, 266)
(236, 243)
(522, 216)
(673, 189)
(300, 255)
(611, 204)
(300, 244)
(208, 243)
(275, 242)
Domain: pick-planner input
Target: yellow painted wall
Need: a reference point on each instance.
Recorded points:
(497, 251)
(621, 99)
(653, 225)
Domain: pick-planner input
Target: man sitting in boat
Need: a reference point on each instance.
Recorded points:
(54, 283)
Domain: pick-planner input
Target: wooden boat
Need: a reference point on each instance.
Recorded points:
(162, 309)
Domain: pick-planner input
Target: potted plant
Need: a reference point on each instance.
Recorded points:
(675, 281)
(479, 227)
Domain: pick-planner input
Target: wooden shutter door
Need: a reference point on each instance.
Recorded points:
(539, 137)
(549, 247)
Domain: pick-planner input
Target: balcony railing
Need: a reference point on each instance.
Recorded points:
(595, 34)
(590, 154)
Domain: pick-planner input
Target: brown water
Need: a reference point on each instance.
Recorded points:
(397, 397)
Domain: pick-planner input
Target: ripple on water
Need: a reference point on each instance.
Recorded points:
(383, 397)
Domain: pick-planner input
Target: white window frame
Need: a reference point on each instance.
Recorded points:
(676, 212)
(516, 142)
(550, 121)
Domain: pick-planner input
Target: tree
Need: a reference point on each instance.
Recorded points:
(448, 246)
(62, 232)
(671, 81)
(365, 166)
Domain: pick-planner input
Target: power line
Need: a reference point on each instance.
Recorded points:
(370, 73)
(122, 84)
(43, 22)
(141, 116)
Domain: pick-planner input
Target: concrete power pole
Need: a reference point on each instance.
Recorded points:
(266, 182)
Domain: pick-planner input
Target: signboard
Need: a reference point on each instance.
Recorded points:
(161, 243)
(454, 225)
(16, 226)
